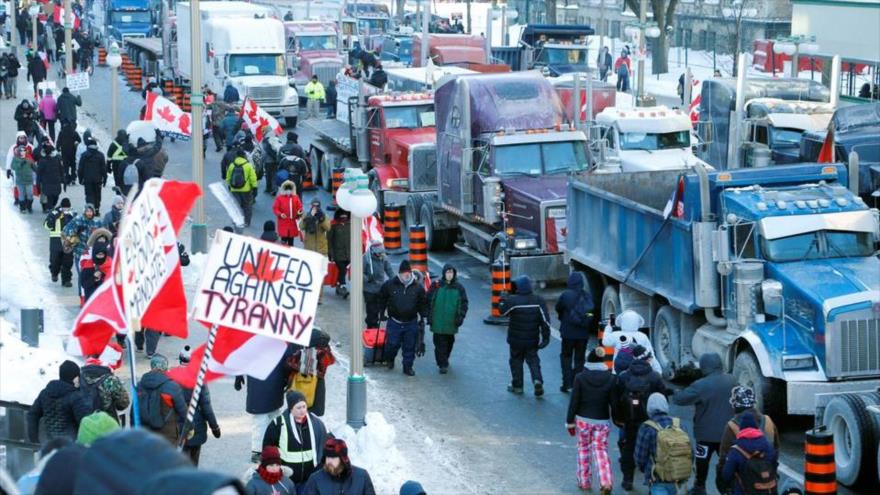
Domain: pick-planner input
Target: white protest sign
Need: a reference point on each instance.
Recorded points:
(146, 239)
(78, 81)
(260, 287)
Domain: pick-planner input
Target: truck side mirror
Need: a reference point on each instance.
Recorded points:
(705, 131)
(771, 293)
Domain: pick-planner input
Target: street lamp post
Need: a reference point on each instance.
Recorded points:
(68, 38)
(34, 12)
(793, 46)
(356, 197)
(114, 60)
(199, 243)
(643, 30)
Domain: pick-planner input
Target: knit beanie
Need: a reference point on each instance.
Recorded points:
(294, 397)
(404, 267)
(412, 488)
(68, 371)
(597, 355)
(95, 426)
(65, 203)
(269, 226)
(742, 398)
(270, 455)
(657, 403)
(159, 362)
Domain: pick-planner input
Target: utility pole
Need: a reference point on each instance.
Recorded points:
(426, 31)
(643, 15)
(68, 38)
(602, 25)
(13, 11)
(199, 228)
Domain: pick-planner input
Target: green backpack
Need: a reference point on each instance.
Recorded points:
(674, 456)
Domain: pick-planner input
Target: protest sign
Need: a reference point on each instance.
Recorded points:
(78, 81)
(260, 287)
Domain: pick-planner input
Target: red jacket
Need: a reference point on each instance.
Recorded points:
(621, 60)
(291, 207)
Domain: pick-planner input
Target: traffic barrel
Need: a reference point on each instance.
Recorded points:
(186, 105)
(102, 56)
(178, 96)
(336, 182)
(820, 477)
(418, 248)
(308, 183)
(608, 357)
(391, 224)
(137, 79)
(500, 283)
(168, 86)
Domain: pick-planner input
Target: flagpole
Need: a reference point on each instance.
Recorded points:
(197, 389)
(135, 326)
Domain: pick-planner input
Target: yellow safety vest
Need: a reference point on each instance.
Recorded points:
(315, 91)
(119, 154)
(298, 456)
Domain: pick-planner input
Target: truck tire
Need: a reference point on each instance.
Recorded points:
(413, 210)
(290, 122)
(849, 421)
(315, 166)
(610, 301)
(437, 239)
(747, 371)
(666, 340)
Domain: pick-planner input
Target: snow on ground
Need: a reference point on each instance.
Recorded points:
(34, 366)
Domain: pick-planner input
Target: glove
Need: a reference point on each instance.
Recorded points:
(215, 430)
(239, 381)
(544, 343)
(570, 428)
(192, 433)
(9, 174)
(421, 350)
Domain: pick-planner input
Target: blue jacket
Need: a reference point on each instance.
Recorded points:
(266, 396)
(571, 326)
(736, 462)
(229, 125)
(202, 419)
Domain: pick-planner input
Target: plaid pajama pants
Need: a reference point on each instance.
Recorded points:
(592, 440)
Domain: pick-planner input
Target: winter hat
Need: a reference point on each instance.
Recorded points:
(61, 471)
(294, 397)
(412, 488)
(88, 207)
(629, 321)
(657, 403)
(94, 426)
(269, 226)
(65, 203)
(270, 455)
(159, 362)
(185, 355)
(597, 355)
(748, 420)
(336, 447)
(404, 267)
(118, 200)
(742, 398)
(68, 371)
(292, 136)
(99, 248)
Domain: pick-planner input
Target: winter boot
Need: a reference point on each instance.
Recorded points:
(55, 277)
(515, 390)
(409, 372)
(30, 206)
(539, 388)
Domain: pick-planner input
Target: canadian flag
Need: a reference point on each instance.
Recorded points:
(58, 17)
(694, 108)
(99, 319)
(371, 231)
(235, 353)
(256, 119)
(169, 119)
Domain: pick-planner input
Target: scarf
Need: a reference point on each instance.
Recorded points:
(270, 478)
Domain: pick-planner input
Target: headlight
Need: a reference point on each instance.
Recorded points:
(291, 94)
(392, 183)
(798, 362)
(525, 243)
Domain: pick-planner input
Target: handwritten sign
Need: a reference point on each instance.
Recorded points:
(78, 81)
(260, 287)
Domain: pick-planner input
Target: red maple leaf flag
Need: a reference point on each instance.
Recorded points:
(165, 114)
(168, 118)
(100, 318)
(256, 119)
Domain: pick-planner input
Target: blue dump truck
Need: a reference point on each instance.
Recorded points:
(775, 269)
(555, 49)
(131, 18)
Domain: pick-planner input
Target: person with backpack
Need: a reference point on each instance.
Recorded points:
(751, 464)
(59, 407)
(339, 247)
(270, 145)
(202, 419)
(710, 396)
(67, 104)
(288, 209)
(242, 181)
(229, 156)
(623, 67)
(447, 308)
(635, 387)
(742, 399)
(528, 331)
(161, 403)
(103, 390)
(663, 450)
(592, 405)
(68, 140)
(575, 311)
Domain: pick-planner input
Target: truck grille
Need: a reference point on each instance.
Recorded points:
(423, 168)
(266, 94)
(326, 71)
(854, 349)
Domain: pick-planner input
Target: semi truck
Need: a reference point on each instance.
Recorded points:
(555, 49)
(772, 268)
(130, 19)
(312, 50)
(462, 50)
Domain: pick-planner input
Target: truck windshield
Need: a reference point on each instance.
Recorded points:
(540, 158)
(256, 65)
(564, 55)
(324, 42)
(131, 16)
(654, 141)
(819, 245)
(372, 25)
(409, 117)
(781, 136)
(869, 152)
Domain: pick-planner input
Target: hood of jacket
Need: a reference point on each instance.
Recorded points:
(285, 191)
(154, 379)
(121, 137)
(59, 388)
(639, 367)
(596, 377)
(446, 268)
(710, 363)
(576, 281)
(91, 373)
(523, 285)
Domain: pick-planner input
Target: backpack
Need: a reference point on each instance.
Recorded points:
(150, 408)
(237, 179)
(759, 475)
(93, 393)
(130, 175)
(581, 314)
(257, 160)
(674, 456)
(634, 399)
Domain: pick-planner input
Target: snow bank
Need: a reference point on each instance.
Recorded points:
(26, 369)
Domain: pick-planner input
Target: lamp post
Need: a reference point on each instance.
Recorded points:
(34, 12)
(199, 242)
(68, 38)
(793, 46)
(355, 196)
(114, 60)
(642, 30)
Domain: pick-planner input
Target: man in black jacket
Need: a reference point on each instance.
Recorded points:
(36, 71)
(528, 330)
(406, 302)
(60, 406)
(116, 155)
(60, 263)
(339, 475)
(92, 173)
(67, 104)
(68, 140)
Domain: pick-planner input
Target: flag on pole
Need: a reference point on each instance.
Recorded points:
(58, 17)
(169, 119)
(371, 231)
(99, 319)
(257, 119)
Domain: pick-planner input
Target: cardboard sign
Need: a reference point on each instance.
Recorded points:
(260, 287)
(78, 81)
(146, 240)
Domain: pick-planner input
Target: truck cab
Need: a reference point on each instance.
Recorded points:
(368, 17)
(777, 125)
(312, 50)
(554, 49)
(645, 138)
(130, 18)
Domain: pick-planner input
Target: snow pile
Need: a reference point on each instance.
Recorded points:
(373, 448)
(26, 369)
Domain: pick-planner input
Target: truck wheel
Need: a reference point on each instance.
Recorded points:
(315, 166)
(747, 371)
(848, 420)
(413, 210)
(666, 340)
(290, 122)
(496, 252)
(610, 301)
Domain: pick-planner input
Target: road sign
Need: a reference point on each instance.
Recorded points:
(78, 81)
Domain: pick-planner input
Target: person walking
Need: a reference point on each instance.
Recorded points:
(24, 168)
(331, 100)
(202, 419)
(10, 84)
(229, 125)
(79, 230)
(663, 451)
(270, 146)
(315, 95)
(67, 104)
(48, 112)
(628, 336)
(314, 227)
(751, 464)
(50, 177)
(242, 181)
(710, 396)
(339, 475)
(102, 389)
(116, 155)
(377, 271)
(36, 71)
(270, 477)
(264, 399)
(161, 403)
(60, 261)
(590, 409)
(300, 437)
(288, 209)
(623, 67)
(68, 140)
(603, 62)
(59, 407)
(742, 399)
(25, 119)
(406, 303)
(92, 173)
(528, 330)
(94, 269)
(339, 243)
(447, 308)
(575, 311)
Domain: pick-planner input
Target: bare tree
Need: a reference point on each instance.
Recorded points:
(734, 13)
(400, 10)
(550, 10)
(664, 11)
